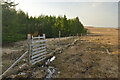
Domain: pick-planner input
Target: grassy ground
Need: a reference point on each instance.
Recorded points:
(12, 52)
(87, 58)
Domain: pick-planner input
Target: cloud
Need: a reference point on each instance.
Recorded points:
(95, 4)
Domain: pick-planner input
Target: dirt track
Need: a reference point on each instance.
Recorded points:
(88, 58)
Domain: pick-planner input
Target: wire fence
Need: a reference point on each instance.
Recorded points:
(39, 47)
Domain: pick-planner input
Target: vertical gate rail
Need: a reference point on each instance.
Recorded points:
(38, 49)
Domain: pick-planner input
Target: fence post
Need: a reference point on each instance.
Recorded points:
(69, 37)
(39, 36)
(44, 36)
(44, 39)
(29, 47)
(59, 39)
(77, 35)
(73, 37)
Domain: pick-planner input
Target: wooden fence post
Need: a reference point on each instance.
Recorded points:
(29, 47)
(44, 36)
(73, 37)
(39, 36)
(77, 35)
(44, 39)
(59, 39)
(69, 37)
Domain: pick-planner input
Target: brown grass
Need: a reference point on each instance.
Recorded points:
(87, 58)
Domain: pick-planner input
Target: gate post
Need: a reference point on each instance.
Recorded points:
(29, 47)
(44, 36)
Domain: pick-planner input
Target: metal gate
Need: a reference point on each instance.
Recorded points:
(38, 49)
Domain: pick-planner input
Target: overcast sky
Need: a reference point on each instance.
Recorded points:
(99, 13)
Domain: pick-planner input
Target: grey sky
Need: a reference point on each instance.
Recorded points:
(101, 14)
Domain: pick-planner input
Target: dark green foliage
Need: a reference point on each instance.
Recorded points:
(16, 24)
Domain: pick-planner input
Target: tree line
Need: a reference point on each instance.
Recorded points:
(17, 24)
